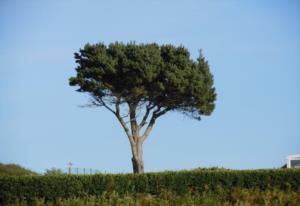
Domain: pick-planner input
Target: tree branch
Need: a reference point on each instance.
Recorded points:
(102, 103)
(148, 129)
(157, 113)
(117, 113)
(148, 109)
(161, 112)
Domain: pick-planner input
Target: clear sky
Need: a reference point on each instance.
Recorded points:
(253, 48)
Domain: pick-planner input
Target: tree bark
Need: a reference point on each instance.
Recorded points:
(137, 157)
(136, 141)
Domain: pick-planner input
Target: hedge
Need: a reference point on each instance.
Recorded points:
(52, 188)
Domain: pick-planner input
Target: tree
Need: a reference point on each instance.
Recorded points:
(54, 171)
(138, 83)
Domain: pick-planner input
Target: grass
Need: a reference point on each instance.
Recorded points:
(14, 170)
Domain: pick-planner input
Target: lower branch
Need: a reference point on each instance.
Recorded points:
(117, 113)
(157, 113)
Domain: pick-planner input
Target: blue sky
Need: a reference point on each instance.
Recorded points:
(253, 48)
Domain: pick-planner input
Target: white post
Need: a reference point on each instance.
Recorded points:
(288, 164)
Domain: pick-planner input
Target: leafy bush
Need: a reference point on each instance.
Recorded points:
(54, 171)
(52, 188)
(237, 197)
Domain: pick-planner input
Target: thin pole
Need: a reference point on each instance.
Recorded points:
(70, 166)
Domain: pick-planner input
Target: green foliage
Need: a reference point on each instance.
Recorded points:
(54, 171)
(54, 188)
(237, 197)
(164, 76)
(147, 81)
(14, 169)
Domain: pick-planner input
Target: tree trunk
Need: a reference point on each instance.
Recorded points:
(137, 157)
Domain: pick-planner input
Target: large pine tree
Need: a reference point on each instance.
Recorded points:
(138, 83)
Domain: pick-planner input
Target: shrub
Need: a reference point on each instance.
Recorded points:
(238, 197)
(53, 188)
(54, 171)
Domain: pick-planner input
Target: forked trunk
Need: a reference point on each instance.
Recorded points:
(136, 141)
(137, 158)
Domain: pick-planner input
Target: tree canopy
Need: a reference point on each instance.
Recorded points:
(164, 76)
